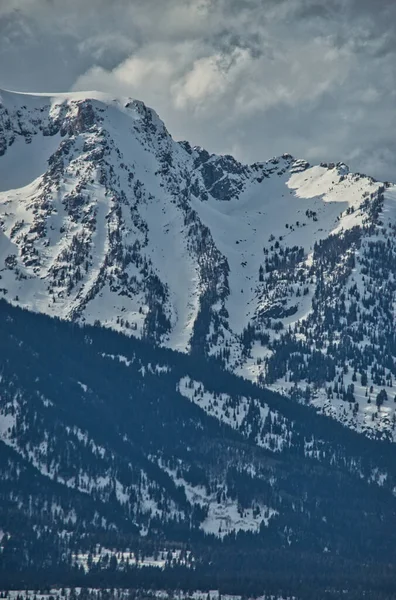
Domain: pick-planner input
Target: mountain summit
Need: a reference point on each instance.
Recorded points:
(282, 271)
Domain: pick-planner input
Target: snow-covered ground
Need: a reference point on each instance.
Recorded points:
(225, 517)
(119, 593)
(128, 558)
(235, 411)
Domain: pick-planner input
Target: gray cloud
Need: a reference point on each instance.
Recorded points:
(250, 77)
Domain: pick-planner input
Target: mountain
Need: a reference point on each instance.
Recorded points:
(124, 464)
(282, 271)
(176, 329)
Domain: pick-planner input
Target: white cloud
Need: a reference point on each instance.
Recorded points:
(202, 85)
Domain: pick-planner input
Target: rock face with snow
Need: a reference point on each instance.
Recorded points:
(281, 270)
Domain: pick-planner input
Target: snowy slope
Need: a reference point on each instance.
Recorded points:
(105, 218)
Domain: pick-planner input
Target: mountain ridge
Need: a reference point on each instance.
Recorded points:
(267, 267)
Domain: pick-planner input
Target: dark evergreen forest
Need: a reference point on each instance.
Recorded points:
(78, 414)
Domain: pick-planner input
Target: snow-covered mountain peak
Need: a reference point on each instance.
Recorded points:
(272, 267)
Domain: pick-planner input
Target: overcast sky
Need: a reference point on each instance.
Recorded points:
(254, 78)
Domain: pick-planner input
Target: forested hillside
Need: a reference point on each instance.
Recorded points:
(113, 474)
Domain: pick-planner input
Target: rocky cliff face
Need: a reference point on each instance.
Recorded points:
(282, 270)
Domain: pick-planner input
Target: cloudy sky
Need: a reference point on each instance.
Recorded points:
(255, 78)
